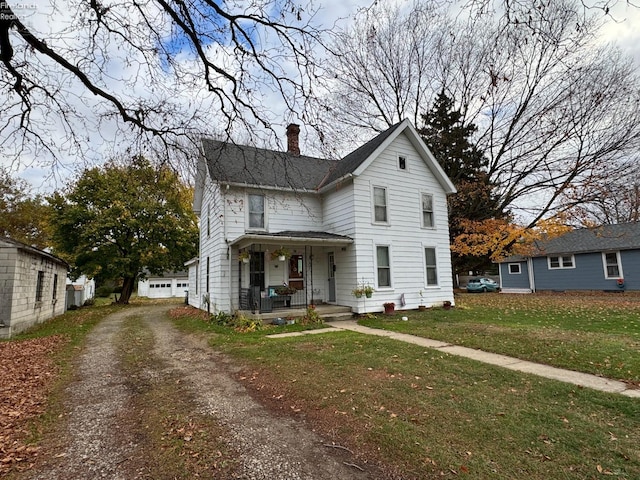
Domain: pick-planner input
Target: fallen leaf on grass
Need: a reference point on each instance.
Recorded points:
(603, 471)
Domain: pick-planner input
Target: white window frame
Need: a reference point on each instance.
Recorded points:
(373, 204)
(378, 286)
(618, 264)
(422, 211)
(427, 267)
(561, 262)
(264, 212)
(514, 265)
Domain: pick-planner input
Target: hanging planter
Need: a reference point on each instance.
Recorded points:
(244, 256)
(281, 254)
(620, 282)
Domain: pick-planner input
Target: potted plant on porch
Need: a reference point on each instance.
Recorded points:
(367, 290)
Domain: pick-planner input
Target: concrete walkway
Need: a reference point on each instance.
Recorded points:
(577, 378)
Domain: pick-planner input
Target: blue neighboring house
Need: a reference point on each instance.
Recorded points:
(601, 258)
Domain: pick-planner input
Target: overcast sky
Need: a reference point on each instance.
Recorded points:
(625, 31)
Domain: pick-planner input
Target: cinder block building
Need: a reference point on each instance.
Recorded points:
(32, 286)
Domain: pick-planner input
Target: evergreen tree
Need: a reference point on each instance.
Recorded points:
(449, 139)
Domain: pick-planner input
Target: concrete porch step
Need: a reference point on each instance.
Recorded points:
(337, 317)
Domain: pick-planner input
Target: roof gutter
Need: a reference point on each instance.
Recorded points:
(338, 180)
(266, 187)
(280, 239)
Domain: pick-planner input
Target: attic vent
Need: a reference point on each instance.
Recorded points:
(402, 163)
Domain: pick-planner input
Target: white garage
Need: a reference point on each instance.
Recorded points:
(170, 284)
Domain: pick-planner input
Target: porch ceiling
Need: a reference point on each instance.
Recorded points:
(292, 238)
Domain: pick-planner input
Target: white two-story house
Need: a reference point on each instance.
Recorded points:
(377, 217)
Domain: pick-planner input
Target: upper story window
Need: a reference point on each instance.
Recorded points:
(427, 210)
(431, 264)
(256, 211)
(402, 163)
(561, 262)
(384, 266)
(612, 268)
(380, 204)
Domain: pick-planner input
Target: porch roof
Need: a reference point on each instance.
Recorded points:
(290, 237)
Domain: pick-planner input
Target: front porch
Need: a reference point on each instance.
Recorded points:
(279, 274)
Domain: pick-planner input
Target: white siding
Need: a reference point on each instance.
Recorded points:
(345, 210)
(339, 218)
(212, 246)
(403, 234)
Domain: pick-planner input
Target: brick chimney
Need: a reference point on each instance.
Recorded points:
(293, 143)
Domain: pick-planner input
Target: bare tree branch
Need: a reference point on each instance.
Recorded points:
(155, 72)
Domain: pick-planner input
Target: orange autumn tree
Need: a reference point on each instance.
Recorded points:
(499, 238)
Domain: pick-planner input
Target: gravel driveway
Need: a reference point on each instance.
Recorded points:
(97, 445)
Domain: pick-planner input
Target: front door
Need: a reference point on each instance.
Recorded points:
(332, 278)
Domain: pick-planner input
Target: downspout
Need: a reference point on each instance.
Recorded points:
(310, 273)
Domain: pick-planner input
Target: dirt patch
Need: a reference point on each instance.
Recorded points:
(104, 430)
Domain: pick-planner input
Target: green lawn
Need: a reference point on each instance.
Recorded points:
(593, 334)
(426, 414)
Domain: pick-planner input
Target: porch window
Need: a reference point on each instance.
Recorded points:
(431, 264)
(384, 267)
(380, 204)
(39, 286)
(256, 211)
(611, 262)
(427, 210)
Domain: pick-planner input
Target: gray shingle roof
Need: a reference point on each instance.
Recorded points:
(258, 166)
(607, 237)
(242, 164)
(625, 236)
